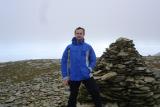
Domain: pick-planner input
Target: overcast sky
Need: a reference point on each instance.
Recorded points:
(34, 29)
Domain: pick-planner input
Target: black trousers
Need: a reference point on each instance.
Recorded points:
(92, 88)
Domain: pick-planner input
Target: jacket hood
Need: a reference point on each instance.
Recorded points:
(76, 42)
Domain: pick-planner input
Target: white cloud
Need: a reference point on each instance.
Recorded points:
(23, 23)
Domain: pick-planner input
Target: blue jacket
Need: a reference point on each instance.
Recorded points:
(77, 61)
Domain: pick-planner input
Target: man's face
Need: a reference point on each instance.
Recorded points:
(79, 34)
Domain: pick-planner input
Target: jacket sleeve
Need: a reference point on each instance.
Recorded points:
(64, 64)
(92, 59)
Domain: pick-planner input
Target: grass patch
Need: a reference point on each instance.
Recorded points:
(26, 70)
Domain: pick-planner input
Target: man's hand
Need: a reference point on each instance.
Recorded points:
(66, 82)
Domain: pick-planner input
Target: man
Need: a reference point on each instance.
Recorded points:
(77, 63)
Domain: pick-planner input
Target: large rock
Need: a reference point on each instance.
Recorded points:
(124, 78)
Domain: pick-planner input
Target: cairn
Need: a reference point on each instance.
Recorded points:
(123, 78)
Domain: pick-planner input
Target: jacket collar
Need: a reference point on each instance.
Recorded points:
(76, 42)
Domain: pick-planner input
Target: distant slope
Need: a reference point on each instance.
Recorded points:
(158, 54)
(27, 69)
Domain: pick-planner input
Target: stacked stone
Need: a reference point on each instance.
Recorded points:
(124, 78)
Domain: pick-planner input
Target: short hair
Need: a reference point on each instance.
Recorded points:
(80, 28)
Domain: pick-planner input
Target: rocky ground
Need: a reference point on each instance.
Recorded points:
(153, 62)
(43, 89)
